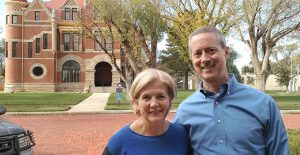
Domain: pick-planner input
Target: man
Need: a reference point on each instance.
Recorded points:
(223, 116)
(119, 93)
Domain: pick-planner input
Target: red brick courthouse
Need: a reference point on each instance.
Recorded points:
(44, 51)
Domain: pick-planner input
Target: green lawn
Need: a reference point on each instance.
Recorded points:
(38, 102)
(58, 101)
(294, 141)
(285, 101)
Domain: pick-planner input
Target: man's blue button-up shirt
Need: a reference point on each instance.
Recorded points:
(239, 121)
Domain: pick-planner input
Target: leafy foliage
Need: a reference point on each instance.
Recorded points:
(2, 57)
(185, 16)
(232, 67)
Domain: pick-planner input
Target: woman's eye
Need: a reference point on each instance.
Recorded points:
(146, 97)
(162, 97)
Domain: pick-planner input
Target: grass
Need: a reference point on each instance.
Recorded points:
(285, 101)
(294, 141)
(112, 103)
(40, 102)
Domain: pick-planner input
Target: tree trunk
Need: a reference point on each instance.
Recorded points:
(186, 80)
(261, 79)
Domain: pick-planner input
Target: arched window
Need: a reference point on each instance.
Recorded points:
(70, 71)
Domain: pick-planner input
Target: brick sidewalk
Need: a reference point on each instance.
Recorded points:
(85, 134)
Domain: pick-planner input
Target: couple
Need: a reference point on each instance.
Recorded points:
(223, 117)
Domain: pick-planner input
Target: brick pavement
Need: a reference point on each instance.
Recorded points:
(84, 134)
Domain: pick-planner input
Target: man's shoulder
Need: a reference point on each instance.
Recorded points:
(194, 97)
(243, 89)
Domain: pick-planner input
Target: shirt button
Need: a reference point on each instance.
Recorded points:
(217, 102)
(219, 121)
(221, 141)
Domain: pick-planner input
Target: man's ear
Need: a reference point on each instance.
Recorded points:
(227, 52)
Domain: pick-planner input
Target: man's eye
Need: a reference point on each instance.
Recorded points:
(197, 53)
(210, 50)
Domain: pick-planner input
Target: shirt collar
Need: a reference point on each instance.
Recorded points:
(227, 87)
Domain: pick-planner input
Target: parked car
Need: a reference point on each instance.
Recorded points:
(14, 139)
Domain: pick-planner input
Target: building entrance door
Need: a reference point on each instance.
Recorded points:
(103, 75)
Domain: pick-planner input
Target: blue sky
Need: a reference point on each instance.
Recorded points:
(240, 47)
(2, 17)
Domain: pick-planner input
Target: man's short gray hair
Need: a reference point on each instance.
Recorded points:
(208, 29)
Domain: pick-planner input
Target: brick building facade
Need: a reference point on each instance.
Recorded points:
(44, 51)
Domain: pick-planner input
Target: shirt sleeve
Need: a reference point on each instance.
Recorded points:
(276, 136)
(106, 151)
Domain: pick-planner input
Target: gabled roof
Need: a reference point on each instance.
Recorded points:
(58, 4)
(34, 2)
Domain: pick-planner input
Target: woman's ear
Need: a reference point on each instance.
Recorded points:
(135, 104)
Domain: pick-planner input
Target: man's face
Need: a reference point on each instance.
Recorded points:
(209, 57)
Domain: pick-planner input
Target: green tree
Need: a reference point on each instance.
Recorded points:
(185, 16)
(247, 69)
(282, 72)
(232, 67)
(2, 57)
(282, 67)
(172, 62)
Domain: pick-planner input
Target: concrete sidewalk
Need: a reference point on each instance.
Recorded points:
(95, 103)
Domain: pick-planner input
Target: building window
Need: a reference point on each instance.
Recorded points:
(7, 16)
(97, 46)
(67, 14)
(67, 41)
(6, 49)
(14, 49)
(70, 71)
(37, 15)
(37, 71)
(108, 44)
(75, 42)
(74, 13)
(29, 49)
(37, 45)
(45, 41)
(14, 19)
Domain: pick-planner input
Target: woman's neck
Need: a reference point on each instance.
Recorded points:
(149, 129)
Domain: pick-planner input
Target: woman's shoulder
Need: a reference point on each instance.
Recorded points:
(122, 132)
(177, 128)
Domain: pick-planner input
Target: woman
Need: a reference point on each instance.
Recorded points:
(151, 94)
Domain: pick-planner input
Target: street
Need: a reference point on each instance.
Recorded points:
(85, 134)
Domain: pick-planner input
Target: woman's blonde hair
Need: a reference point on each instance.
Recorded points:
(149, 76)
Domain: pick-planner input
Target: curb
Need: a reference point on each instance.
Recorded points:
(73, 113)
(290, 111)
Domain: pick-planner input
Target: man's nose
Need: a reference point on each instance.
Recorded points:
(204, 56)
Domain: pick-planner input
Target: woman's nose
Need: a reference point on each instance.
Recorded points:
(154, 102)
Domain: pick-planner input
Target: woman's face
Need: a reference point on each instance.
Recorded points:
(154, 102)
